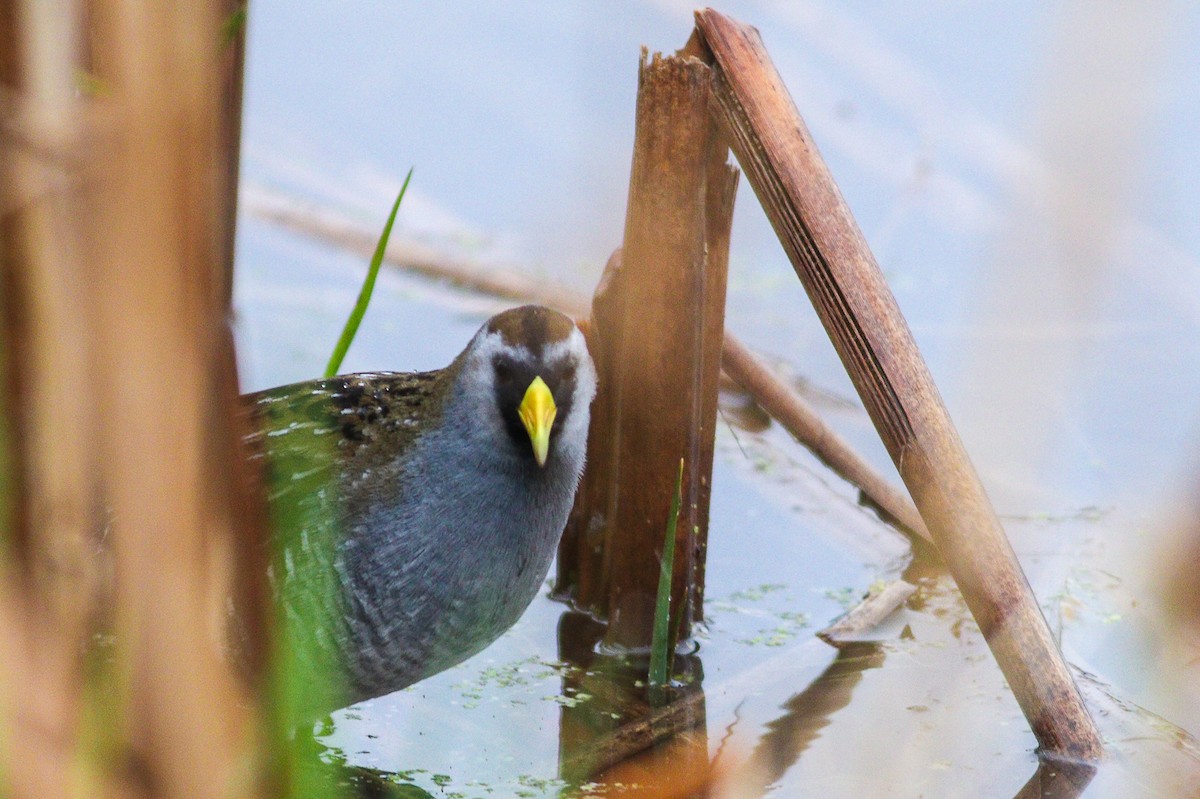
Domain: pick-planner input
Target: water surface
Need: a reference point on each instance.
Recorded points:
(1043, 249)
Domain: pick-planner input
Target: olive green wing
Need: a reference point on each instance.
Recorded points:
(311, 440)
(319, 427)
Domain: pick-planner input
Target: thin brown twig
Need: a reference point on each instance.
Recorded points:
(867, 614)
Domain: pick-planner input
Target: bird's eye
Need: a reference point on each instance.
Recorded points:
(568, 372)
(504, 374)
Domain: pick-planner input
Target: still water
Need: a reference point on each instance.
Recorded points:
(1028, 178)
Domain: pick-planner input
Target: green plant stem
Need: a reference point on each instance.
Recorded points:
(661, 645)
(364, 295)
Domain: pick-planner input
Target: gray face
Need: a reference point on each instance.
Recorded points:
(519, 345)
(514, 372)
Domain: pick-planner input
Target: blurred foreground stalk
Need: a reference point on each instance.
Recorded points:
(117, 225)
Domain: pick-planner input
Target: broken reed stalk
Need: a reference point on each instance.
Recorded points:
(656, 327)
(739, 362)
(853, 301)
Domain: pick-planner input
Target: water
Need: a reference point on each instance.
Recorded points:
(1063, 335)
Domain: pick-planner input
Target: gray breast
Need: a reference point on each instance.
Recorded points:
(443, 551)
(399, 553)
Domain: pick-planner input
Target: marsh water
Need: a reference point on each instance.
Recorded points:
(1035, 219)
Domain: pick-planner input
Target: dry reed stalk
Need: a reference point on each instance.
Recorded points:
(860, 314)
(656, 326)
(156, 295)
(154, 72)
(50, 569)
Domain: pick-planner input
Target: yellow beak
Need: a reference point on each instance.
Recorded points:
(537, 411)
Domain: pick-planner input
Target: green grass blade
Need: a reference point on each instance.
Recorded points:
(661, 644)
(364, 296)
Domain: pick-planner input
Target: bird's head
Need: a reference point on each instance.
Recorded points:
(535, 381)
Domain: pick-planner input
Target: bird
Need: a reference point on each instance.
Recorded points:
(415, 515)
